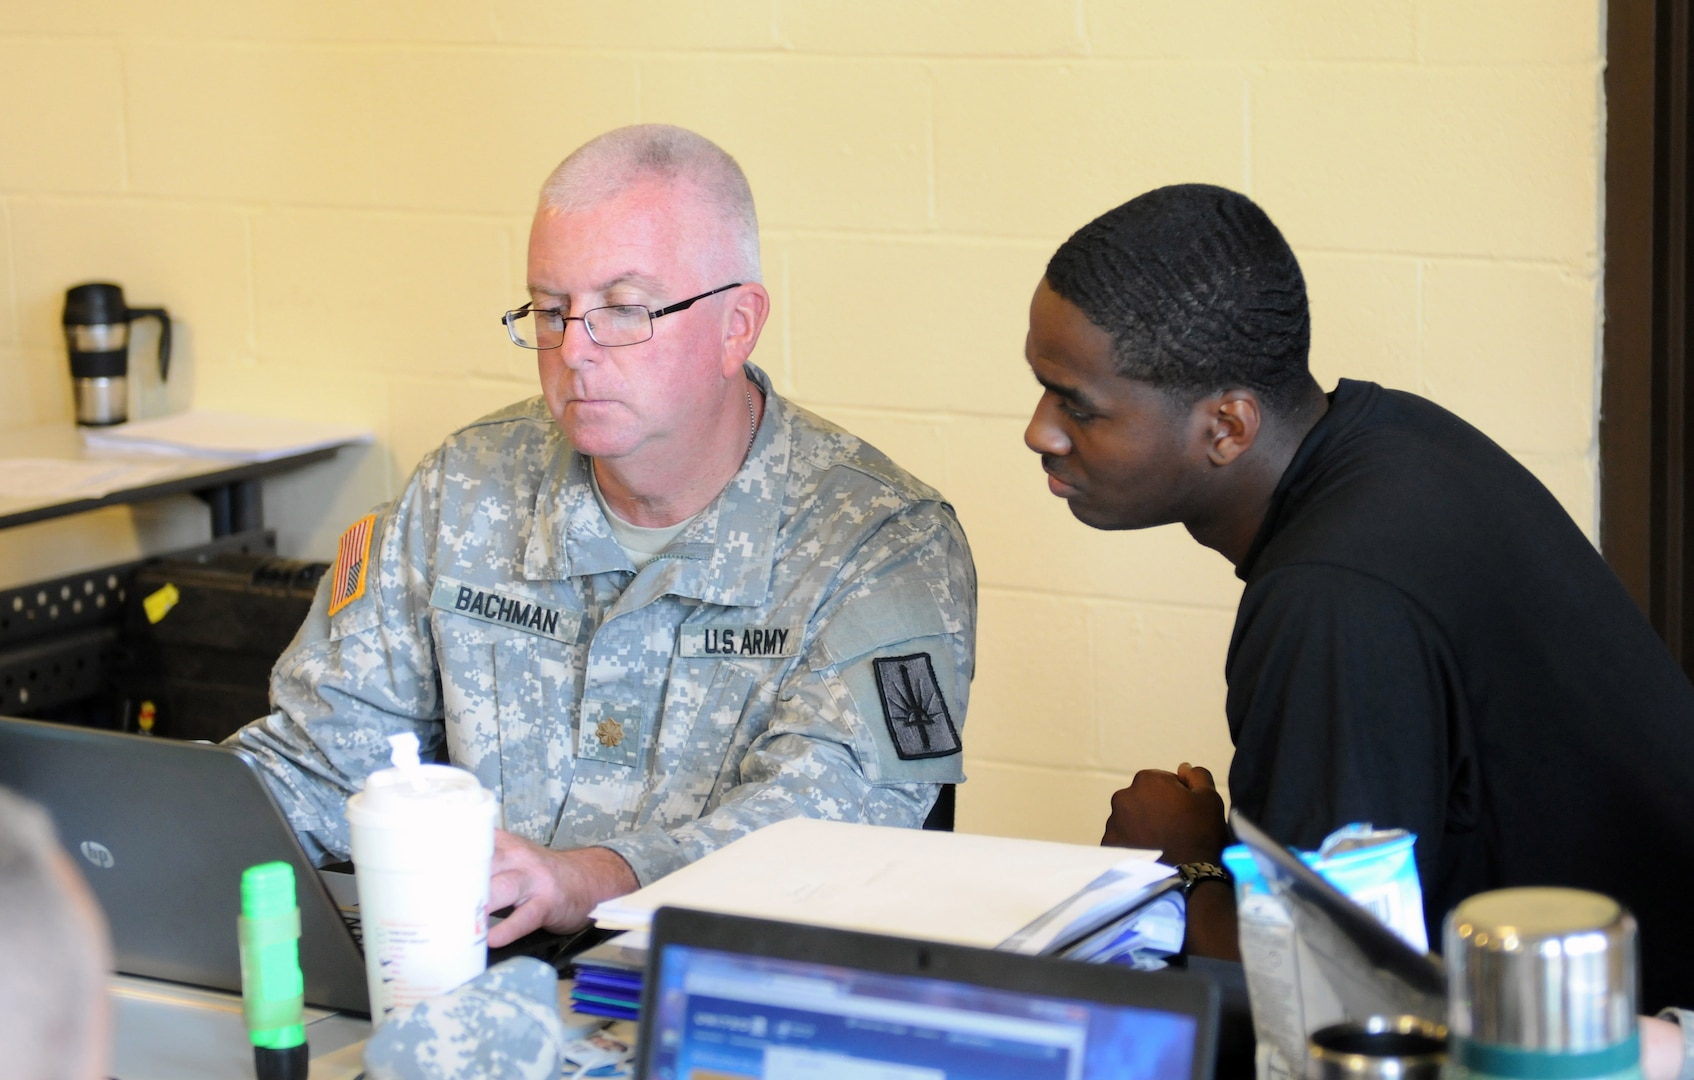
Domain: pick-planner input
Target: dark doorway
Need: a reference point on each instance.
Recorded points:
(1646, 448)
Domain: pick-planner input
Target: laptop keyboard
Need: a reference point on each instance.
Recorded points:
(355, 926)
(344, 891)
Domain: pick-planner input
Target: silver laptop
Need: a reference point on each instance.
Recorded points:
(729, 997)
(162, 830)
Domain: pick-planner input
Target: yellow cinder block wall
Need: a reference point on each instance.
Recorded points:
(333, 200)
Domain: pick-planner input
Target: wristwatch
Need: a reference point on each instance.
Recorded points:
(1193, 873)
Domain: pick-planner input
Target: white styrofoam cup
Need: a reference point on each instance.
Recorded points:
(423, 841)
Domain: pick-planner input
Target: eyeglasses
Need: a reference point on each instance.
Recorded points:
(531, 327)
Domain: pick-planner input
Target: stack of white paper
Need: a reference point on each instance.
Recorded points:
(1103, 901)
(218, 434)
(939, 886)
(60, 479)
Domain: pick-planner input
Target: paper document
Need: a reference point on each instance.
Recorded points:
(939, 886)
(1102, 901)
(219, 434)
(60, 479)
(1145, 939)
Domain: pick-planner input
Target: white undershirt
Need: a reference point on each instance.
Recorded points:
(640, 543)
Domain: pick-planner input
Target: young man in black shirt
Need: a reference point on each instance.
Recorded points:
(1425, 640)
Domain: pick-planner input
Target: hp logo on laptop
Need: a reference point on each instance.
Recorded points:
(98, 854)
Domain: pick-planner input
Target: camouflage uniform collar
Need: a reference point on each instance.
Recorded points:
(725, 557)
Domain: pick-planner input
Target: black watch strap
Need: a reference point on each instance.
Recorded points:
(1193, 873)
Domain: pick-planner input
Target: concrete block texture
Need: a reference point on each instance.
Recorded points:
(1509, 31)
(854, 145)
(1034, 28)
(459, 131)
(1010, 139)
(255, 122)
(1364, 318)
(381, 292)
(1484, 161)
(1159, 687)
(1068, 804)
(279, 388)
(423, 411)
(158, 252)
(8, 283)
(35, 387)
(17, 407)
(913, 324)
(1030, 701)
(334, 199)
(263, 20)
(655, 26)
(1498, 333)
(62, 128)
(1244, 30)
(350, 126)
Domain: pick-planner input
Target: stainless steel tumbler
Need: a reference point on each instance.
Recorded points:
(1380, 1048)
(1541, 983)
(96, 322)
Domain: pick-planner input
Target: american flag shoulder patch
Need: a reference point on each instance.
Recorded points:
(352, 561)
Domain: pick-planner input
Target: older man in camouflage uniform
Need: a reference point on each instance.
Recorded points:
(655, 608)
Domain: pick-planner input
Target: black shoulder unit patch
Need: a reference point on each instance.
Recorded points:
(912, 704)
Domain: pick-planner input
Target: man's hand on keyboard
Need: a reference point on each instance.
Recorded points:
(547, 889)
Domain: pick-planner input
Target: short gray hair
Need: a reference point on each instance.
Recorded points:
(607, 165)
(53, 978)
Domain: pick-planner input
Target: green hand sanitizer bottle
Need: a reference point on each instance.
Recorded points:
(272, 986)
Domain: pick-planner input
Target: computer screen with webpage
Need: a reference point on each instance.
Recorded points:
(729, 1016)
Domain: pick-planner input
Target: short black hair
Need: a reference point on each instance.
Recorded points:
(1198, 290)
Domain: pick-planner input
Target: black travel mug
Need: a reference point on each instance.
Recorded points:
(97, 336)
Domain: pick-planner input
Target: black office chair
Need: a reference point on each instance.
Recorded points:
(941, 814)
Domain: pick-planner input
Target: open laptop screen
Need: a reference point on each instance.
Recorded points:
(718, 1014)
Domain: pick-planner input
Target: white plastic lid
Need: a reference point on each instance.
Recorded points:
(411, 788)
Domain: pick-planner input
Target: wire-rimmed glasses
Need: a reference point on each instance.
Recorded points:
(531, 327)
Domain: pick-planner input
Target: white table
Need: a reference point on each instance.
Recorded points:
(230, 488)
(163, 1031)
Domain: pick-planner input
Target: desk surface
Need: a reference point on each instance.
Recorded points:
(161, 1031)
(168, 474)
